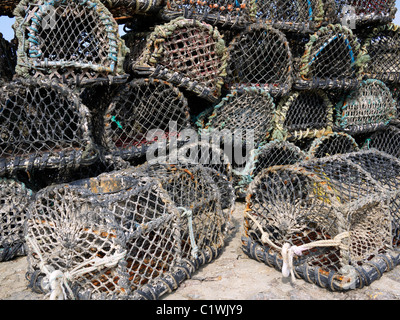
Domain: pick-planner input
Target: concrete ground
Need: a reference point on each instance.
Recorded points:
(232, 276)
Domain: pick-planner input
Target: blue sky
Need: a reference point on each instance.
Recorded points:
(8, 32)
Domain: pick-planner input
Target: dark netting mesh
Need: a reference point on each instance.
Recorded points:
(231, 13)
(7, 7)
(332, 59)
(360, 11)
(123, 10)
(131, 234)
(136, 42)
(187, 53)
(395, 89)
(8, 59)
(386, 140)
(143, 112)
(273, 153)
(369, 107)
(331, 144)
(43, 125)
(303, 114)
(327, 221)
(248, 111)
(301, 15)
(260, 56)
(15, 198)
(383, 47)
(75, 42)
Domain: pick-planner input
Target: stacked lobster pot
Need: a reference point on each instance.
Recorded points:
(123, 155)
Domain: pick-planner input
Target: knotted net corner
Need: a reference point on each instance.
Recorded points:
(331, 144)
(15, 200)
(129, 234)
(360, 12)
(386, 140)
(303, 114)
(143, 112)
(366, 109)
(224, 13)
(270, 154)
(188, 53)
(244, 116)
(71, 41)
(297, 15)
(260, 56)
(332, 59)
(328, 222)
(43, 125)
(8, 59)
(383, 47)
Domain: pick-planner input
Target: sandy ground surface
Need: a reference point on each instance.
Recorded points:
(232, 276)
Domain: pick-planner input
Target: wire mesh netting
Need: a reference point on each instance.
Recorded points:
(327, 221)
(368, 108)
(260, 56)
(187, 53)
(331, 144)
(43, 125)
(15, 198)
(225, 13)
(386, 140)
(383, 47)
(75, 42)
(300, 15)
(132, 234)
(332, 59)
(8, 59)
(143, 112)
(303, 114)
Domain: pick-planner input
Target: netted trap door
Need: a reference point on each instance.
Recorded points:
(332, 59)
(248, 111)
(187, 53)
(43, 125)
(8, 59)
(360, 12)
(303, 114)
(75, 41)
(144, 111)
(366, 109)
(260, 56)
(383, 47)
(108, 236)
(15, 199)
(298, 15)
(196, 195)
(346, 179)
(331, 144)
(226, 13)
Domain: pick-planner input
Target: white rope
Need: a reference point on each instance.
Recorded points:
(58, 279)
(189, 214)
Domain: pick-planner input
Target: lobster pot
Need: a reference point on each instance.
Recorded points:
(331, 144)
(273, 153)
(8, 59)
(289, 15)
(128, 9)
(360, 12)
(303, 114)
(260, 56)
(189, 54)
(337, 242)
(244, 114)
(366, 109)
(15, 199)
(43, 125)
(7, 7)
(224, 13)
(383, 47)
(121, 235)
(142, 112)
(75, 42)
(386, 140)
(332, 59)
